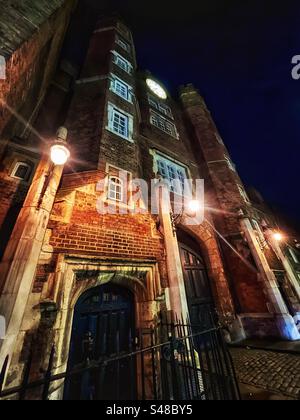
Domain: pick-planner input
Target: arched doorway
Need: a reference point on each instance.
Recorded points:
(103, 327)
(197, 283)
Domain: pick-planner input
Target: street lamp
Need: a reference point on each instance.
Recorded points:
(191, 209)
(59, 151)
(193, 206)
(278, 236)
(59, 154)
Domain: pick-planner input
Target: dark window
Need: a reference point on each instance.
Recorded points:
(22, 171)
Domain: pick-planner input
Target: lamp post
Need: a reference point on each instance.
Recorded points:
(284, 321)
(20, 260)
(175, 293)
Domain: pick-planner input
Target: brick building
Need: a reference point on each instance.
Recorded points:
(123, 125)
(30, 58)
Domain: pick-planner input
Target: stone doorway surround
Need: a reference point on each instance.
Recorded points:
(76, 274)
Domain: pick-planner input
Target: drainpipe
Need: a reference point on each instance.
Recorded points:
(277, 306)
(19, 264)
(176, 294)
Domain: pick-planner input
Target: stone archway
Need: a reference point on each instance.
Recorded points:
(77, 275)
(204, 238)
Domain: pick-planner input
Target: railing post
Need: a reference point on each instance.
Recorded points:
(117, 363)
(3, 374)
(25, 381)
(155, 394)
(132, 367)
(186, 368)
(48, 376)
(236, 393)
(174, 367)
(143, 367)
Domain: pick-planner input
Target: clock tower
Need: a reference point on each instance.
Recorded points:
(104, 107)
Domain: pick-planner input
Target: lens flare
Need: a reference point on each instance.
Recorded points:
(193, 206)
(278, 236)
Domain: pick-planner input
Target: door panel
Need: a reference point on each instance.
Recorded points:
(198, 290)
(103, 328)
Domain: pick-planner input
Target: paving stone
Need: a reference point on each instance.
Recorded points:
(277, 372)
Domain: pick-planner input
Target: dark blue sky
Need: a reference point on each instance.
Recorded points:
(238, 54)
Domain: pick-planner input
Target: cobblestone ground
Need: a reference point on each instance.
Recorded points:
(278, 373)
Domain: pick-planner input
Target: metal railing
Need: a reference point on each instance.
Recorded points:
(174, 362)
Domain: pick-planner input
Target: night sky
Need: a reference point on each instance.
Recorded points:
(238, 54)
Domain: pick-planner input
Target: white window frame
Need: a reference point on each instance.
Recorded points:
(118, 58)
(113, 111)
(114, 81)
(244, 194)
(16, 168)
(169, 165)
(123, 44)
(118, 183)
(230, 163)
(154, 116)
(113, 171)
(293, 255)
(259, 231)
(161, 107)
(2, 68)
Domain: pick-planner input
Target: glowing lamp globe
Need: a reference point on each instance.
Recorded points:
(60, 154)
(194, 206)
(278, 236)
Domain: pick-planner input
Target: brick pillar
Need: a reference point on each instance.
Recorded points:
(285, 322)
(285, 262)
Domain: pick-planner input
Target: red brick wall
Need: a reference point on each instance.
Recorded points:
(222, 193)
(93, 146)
(25, 67)
(248, 289)
(12, 192)
(111, 235)
(88, 233)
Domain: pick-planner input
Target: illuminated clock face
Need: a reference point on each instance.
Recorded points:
(156, 88)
